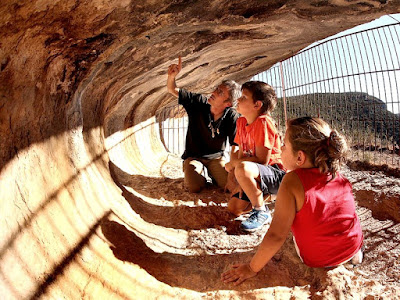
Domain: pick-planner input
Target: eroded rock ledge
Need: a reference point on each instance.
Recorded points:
(80, 82)
(51, 51)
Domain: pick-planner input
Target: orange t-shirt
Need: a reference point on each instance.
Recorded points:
(262, 132)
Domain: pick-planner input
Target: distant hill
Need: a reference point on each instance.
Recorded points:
(361, 117)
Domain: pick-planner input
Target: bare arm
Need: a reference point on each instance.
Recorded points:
(231, 183)
(261, 156)
(173, 71)
(229, 167)
(285, 211)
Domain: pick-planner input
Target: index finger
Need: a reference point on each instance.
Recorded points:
(180, 63)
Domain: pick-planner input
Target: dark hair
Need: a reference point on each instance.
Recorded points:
(263, 92)
(233, 90)
(325, 148)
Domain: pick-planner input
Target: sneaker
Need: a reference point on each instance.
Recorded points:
(357, 258)
(256, 220)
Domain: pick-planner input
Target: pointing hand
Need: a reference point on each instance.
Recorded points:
(174, 69)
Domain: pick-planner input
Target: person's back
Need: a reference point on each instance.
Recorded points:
(314, 201)
(326, 229)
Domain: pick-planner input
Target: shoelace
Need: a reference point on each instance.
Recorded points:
(255, 215)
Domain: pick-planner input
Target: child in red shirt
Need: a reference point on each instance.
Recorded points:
(257, 166)
(314, 201)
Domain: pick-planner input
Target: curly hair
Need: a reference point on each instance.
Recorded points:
(233, 90)
(326, 148)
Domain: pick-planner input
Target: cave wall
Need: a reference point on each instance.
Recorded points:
(80, 83)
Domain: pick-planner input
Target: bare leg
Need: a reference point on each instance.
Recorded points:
(238, 206)
(247, 174)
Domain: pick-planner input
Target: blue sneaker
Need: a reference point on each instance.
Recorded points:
(256, 220)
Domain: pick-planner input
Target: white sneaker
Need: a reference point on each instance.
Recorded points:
(357, 258)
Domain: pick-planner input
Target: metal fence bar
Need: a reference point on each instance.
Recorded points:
(351, 81)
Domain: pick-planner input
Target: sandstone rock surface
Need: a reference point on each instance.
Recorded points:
(92, 205)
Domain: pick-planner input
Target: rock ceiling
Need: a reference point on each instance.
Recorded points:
(80, 83)
(51, 51)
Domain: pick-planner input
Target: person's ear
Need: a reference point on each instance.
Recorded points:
(258, 104)
(301, 158)
(228, 103)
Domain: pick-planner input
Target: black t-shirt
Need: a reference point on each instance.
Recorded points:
(206, 138)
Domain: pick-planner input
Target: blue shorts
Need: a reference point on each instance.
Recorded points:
(270, 180)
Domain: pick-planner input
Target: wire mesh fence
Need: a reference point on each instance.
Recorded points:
(352, 82)
(173, 123)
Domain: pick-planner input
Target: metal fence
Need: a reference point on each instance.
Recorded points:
(351, 81)
(173, 123)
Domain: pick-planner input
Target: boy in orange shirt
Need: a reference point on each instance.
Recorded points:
(257, 166)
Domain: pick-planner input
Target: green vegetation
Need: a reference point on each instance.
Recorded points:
(364, 119)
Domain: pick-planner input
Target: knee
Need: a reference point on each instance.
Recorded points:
(190, 165)
(241, 170)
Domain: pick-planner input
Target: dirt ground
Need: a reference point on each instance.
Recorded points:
(216, 242)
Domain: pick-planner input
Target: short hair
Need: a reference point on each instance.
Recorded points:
(325, 147)
(263, 92)
(233, 90)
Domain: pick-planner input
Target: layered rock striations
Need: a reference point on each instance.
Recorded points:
(80, 85)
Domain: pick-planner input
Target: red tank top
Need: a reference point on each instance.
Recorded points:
(327, 229)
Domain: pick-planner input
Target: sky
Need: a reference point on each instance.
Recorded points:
(353, 60)
(384, 20)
